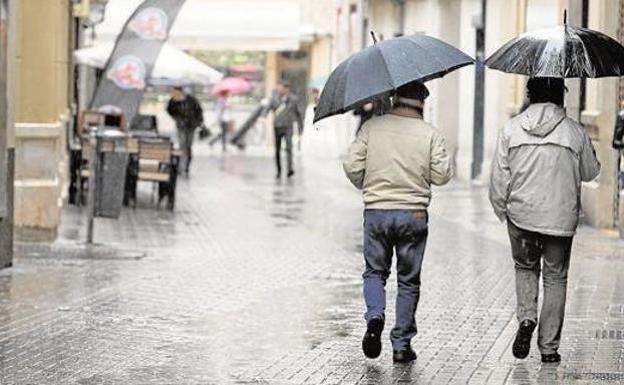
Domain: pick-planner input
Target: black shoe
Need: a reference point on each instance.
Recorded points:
(522, 343)
(371, 343)
(404, 356)
(278, 175)
(551, 358)
(291, 173)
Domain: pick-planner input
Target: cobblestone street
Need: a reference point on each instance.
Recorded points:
(257, 281)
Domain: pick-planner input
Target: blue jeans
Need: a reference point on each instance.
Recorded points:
(406, 232)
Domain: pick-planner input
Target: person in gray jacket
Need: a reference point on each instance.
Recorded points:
(285, 106)
(395, 160)
(541, 159)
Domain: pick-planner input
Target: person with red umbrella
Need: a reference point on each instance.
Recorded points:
(221, 116)
(223, 90)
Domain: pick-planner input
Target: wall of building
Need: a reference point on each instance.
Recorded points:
(42, 116)
(599, 119)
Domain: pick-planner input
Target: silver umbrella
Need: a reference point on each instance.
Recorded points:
(561, 52)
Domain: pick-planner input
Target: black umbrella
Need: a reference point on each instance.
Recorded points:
(561, 52)
(383, 68)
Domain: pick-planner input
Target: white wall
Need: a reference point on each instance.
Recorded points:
(542, 14)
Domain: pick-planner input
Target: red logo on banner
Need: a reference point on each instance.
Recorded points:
(128, 72)
(150, 24)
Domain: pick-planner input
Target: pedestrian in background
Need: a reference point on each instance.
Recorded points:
(222, 116)
(188, 115)
(541, 159)
(285, 106)
(377, 106)
(394, 160)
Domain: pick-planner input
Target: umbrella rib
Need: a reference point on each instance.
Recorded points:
(383, 57)
(380, 53)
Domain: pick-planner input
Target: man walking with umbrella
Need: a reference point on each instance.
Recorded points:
(285, 106)
(394, 160)
(541, 159)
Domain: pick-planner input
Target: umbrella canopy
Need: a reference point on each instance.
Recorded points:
(560, 52)
(233, 86)
(383, 68)
(173, 66)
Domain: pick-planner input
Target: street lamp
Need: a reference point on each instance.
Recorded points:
(96, 12)
(91, 13)
(479, 23)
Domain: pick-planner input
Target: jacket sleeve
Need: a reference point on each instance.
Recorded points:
(299, 116)
(199, 112)
(500, 178)
(171, 110)
(590, 166)
(272, 105)
(355, 162)
(441, 167)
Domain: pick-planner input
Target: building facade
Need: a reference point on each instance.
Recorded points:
(43, 100)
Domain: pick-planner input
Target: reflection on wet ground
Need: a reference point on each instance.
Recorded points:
(257, 280)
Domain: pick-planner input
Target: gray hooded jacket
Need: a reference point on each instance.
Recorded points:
(541, 159)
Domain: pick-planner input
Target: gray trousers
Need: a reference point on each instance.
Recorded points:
(534, 253)
(283, 135)
(185, 140)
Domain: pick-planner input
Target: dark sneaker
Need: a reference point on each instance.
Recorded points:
(551, 358)
(278, 175)
(404, 356)
(291, 173)
(522, 343)
(371, 343)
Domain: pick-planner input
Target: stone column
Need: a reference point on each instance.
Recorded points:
(42, 115)
(7, 147)
(599, 119)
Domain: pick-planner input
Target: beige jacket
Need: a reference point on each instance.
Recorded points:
(541, 159)
(395, 160)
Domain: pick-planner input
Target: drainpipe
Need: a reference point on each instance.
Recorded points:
(479, 94)
(364, 7)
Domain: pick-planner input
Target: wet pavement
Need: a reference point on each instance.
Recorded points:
(257, 281)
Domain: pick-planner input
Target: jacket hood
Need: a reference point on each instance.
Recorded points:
(541, 119)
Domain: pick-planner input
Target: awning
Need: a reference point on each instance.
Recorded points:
(172, 66)
(242, 25)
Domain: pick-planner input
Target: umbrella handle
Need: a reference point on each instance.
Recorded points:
(374, 37)
(565, 16)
